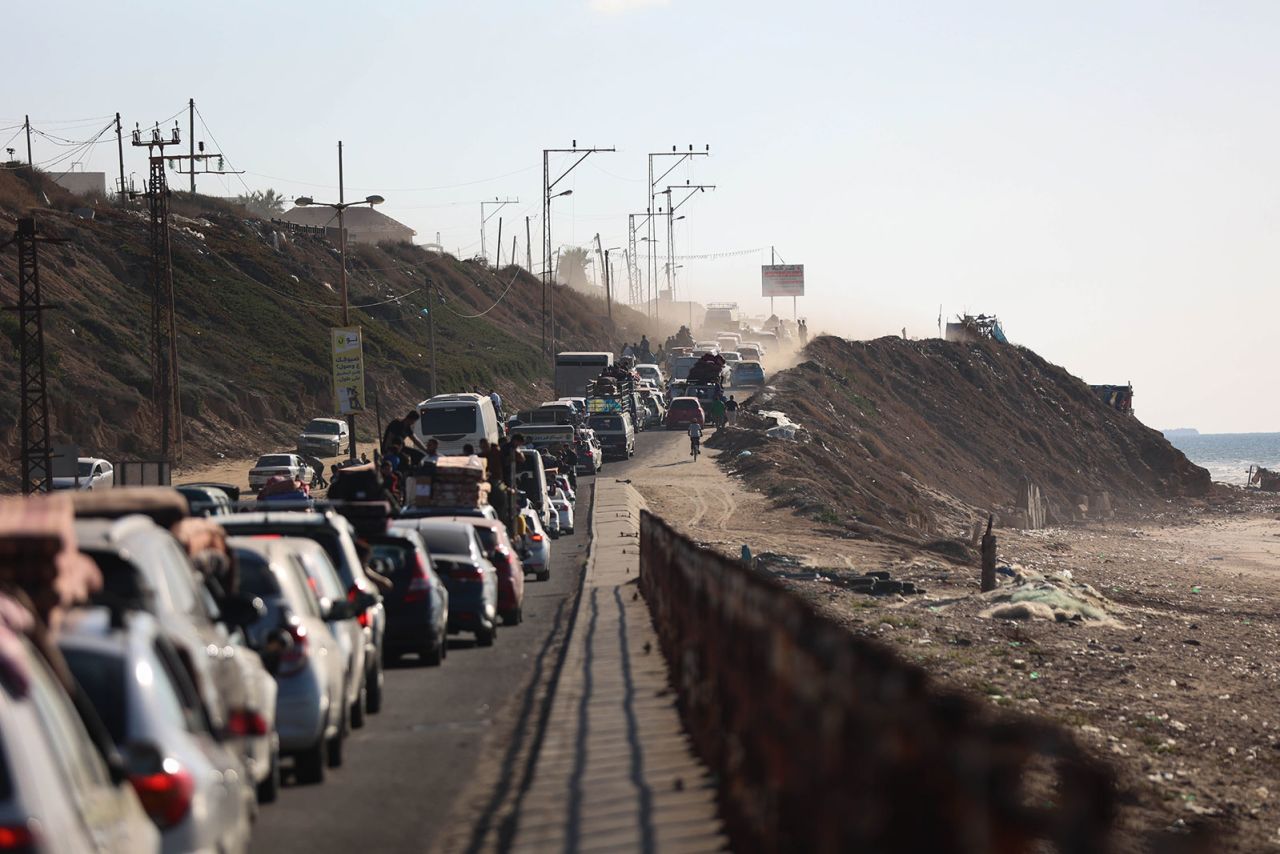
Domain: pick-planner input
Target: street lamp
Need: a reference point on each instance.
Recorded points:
(341, 207)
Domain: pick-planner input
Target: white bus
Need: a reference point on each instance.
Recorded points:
(575, 370)
(455, 420)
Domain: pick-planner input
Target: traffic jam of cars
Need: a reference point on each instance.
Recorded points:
(171, 656)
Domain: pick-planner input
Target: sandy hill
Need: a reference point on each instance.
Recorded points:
(917, 439)
(254, 304)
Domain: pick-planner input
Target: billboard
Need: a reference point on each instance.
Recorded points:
(348, 371)
(782, 280)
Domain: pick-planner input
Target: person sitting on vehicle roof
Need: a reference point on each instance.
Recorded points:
(402, 429)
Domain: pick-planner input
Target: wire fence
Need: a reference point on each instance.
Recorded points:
(825, 742)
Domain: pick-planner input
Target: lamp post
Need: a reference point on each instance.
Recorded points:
(341, 206)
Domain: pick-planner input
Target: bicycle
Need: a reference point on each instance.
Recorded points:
(694, 447)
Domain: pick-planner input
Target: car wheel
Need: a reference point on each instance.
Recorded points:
(444, 643)
(334, 759)
(309, 765)
(433, 653)
(486, 635)
(514, 617)
(357, 709)
(543, 575)
(269, 788)
(373, 690)
(569, 531)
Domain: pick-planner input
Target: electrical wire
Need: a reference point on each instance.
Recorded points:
(222, 154)
(490, 308)
(393, 189)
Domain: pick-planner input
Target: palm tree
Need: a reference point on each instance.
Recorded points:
(264, 204)
(572, 269)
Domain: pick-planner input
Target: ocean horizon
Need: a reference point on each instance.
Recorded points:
(1227, 456)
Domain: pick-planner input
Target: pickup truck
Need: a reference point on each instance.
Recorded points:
(270, 465)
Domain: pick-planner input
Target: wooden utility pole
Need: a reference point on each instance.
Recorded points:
(120, 151)
(513, 250)
(497, 260)
(989, 557)
(528, 247)
(31, 164)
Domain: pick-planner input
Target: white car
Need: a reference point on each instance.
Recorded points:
(194, 785)
(56, 784)
(564, 510)
(324, 437)
(91, 473)
(270, 465)
(535, 549)
(652, 373)
(590, 454)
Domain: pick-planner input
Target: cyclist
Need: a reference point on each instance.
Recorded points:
(695, 437)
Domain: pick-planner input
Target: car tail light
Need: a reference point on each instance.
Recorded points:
(294, 659)
(245, 722)
(537, 538)
(17, 838)
(363, 617)
(165, 794)
(467, 572)
(420, 584)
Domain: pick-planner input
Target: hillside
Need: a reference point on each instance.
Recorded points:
(917, 439)
(254, 304)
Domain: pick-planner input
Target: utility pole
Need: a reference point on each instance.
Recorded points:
(513, 250)
(500, 204)
(528, 252)
(36, 454)
(120, 151)
(191, 139)
(433, 298)
(497, 261)
(608, 278)
(672, 207)
(652, 263)
(31, 164)
(164, 346)
(548, 306)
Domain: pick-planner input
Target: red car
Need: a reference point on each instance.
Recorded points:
(685, 411)
(502, 554)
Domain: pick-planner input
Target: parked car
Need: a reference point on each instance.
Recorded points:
(747, 373)
(685, 411)
(59, 793)
(324, 437)
(552, 523)
(470, 577)
(505, 557)
(418, 604)
(91, 473)
(335, 534)
(301, 652)
(270, 465)
(346, 628)
(144, 568)
(192, 785)
(535, 546)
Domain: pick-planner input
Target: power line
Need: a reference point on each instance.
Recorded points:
(218, 145)
(395, 189)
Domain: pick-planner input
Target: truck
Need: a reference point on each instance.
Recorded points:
(575, 370)
(608, 394)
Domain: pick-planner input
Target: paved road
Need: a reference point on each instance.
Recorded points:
(403, 769)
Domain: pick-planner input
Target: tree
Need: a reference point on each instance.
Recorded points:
(264, 204)
(572, 269)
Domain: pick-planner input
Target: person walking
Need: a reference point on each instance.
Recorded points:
(731, 409)
(715, 411)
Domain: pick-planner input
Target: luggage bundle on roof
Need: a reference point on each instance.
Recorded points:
(454, 482)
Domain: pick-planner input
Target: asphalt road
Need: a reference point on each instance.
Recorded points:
(404, 768)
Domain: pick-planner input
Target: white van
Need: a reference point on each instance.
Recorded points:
(455, 420)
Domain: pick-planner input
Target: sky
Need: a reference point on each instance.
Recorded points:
(1103, 176)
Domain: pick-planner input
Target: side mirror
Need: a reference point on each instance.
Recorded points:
(242, 610)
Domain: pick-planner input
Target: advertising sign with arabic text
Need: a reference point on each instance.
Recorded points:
(348, 371)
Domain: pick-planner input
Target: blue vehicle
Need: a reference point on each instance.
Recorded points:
(418, 604)
(747, 373)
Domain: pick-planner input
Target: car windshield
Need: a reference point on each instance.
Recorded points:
(446, 539)
(684, 403)
(395, 553)
(274, 461)
(444, 420)
(102, 678)
(606, 422)
(324, 426)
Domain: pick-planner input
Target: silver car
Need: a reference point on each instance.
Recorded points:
(59, 794)
(191, 784)
(346, 628)
(535, 546)
(299, 649)
(143, 567)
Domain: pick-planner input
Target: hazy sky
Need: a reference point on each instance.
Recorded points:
(1104, 176)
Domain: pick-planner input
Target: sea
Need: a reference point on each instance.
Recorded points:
(1228, 456)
